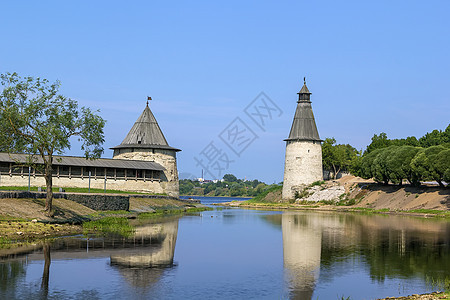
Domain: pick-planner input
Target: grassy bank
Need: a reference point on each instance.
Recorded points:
(24, 221)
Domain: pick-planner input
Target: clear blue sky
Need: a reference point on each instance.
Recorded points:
(372, 66)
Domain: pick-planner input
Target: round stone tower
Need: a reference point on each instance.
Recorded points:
(303, 163)
(145, 141)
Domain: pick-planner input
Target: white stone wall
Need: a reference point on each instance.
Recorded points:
(303, 166)
(166, 158)
(133, 185)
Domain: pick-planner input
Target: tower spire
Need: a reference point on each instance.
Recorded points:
(304, 94)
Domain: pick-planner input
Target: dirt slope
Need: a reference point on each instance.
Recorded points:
(377, 196)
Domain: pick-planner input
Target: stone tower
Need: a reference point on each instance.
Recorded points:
(303, 163)
(145, 141)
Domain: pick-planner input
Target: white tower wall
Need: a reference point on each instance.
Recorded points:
(164, 157)
(303, 166)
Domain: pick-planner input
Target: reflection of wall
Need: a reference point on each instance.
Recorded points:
(160, 255)
(301, 253)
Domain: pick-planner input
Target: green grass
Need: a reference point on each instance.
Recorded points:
(383, 210)
(171, 212)
(318, 182)
(9, 218)
(441, 284)
(437, 213)
(113, 225)
(260, 197)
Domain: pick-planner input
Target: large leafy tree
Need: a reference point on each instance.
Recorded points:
(442, 165)
(337, 157)
(399, 167)
(38, 121)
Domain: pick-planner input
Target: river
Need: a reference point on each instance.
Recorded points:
(231, 253)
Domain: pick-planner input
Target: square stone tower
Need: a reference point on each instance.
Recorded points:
(303, 163)
(145, 141)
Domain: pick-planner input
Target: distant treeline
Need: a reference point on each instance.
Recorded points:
(230, 186)
(395, 160)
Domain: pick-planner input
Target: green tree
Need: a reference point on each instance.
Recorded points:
(365, 170)
(378, 142)
(433, 138)
(230, 178)
(36, 120)
(380, 169)
(421, 166)
(186, 187)
(398, 165)
(337, 158)
(441, 165)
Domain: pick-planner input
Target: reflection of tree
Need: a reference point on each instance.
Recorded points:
(10, 273)
(392, 246)
(46, 273)
(408, 254)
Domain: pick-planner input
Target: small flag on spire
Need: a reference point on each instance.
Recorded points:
(148, 98)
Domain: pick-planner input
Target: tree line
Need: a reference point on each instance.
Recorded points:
(229, 186)
(394, 160)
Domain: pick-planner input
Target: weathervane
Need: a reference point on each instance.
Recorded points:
(148, 98)
(304, 80)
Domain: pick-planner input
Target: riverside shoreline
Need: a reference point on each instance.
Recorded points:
(25, 221)
(333, 208)
(354, 194)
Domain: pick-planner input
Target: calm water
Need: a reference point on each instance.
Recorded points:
(239, 254)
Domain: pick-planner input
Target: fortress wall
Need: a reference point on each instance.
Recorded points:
(132, 185)
(303, 166)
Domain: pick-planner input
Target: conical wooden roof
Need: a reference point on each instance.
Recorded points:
(304, 126)
(145, 133)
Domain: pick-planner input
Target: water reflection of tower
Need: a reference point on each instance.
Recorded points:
(302, 242)
(153, 251)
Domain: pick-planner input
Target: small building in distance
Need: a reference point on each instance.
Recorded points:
(303, 162)
(143, 162)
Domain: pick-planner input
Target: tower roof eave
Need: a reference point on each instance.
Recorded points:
(305, 139)
(141, 146)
